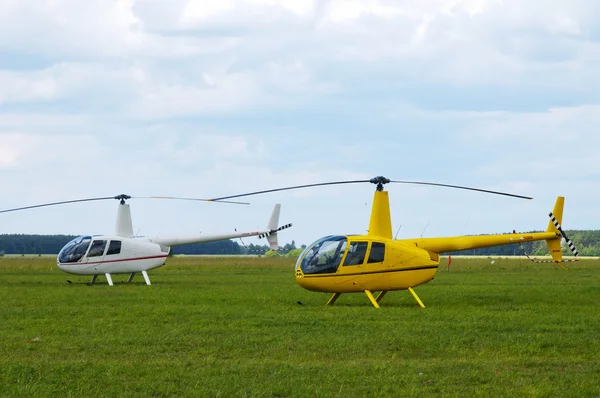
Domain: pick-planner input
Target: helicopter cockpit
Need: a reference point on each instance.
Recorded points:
(74, 250)
(323, 256)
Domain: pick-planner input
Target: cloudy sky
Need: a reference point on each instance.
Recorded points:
(203, 98)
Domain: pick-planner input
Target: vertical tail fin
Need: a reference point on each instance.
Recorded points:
(273, 225)
(124, 227)
(554, 226)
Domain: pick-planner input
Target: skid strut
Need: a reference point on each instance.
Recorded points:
(410, 289)
(372, 299)
(333, 298)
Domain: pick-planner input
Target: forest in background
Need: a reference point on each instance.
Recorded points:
(51, 244)
(587, 243)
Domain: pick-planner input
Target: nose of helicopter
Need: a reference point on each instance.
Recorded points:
(300, 278)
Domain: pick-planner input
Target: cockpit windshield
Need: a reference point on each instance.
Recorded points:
(323, 256)
(74, 250)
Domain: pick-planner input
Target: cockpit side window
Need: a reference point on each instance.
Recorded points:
(356, 253)
(377, 254)
(97, 248)
(114, 247)
(323, 256)
(74, 250)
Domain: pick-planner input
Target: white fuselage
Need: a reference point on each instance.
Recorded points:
(134, 255)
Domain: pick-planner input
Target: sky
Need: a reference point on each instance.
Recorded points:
(216, 97)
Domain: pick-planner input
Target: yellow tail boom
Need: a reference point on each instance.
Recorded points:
(457, 243)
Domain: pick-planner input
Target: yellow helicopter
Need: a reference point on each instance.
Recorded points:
(376, 262)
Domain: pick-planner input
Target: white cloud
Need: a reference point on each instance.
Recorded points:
(63, 27)
(200, 98)
(222, 94)
(199, 13)
(12, 147)
(15, 86)
(53, 83)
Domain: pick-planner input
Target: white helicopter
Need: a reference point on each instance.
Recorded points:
(124, 253)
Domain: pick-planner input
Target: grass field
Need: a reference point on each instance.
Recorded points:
(225, 327)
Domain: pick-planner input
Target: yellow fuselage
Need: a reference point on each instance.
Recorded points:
(406, 263)
(403, 266)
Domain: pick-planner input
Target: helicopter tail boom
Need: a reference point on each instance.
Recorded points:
(270, 234)
(552, 236)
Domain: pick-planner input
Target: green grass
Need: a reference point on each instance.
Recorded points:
(225, 327)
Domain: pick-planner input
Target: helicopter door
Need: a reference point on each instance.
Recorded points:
(377, 253)
(114, 248)
(96, 252)
(356, 254)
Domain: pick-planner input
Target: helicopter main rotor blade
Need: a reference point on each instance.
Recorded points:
(56, 203)
(462, 187)
(380, 181)
(193, 199)
(289, 188)
(121, 197)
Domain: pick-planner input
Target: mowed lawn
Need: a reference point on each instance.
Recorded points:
(224, 327)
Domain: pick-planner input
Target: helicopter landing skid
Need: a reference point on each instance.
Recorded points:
(144, 273)
(333, 298)
(410, 289)
(94, 277)
(146, 278)
(375, 301)
(370, 296)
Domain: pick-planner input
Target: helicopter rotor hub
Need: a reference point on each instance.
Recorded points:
(122, 197)
(380, 181)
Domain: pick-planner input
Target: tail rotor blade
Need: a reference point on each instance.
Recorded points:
(564, 235)
(284, 227)
(273, 231)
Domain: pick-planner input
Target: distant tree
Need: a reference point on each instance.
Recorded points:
(288, 247)
(294, 253)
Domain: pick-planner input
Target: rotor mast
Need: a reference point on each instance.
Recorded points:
(381, 219)
(124, 226)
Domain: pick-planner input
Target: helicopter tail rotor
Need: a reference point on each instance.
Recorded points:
(273, 228)
(564, 235)
(554, 226)
(272, 236)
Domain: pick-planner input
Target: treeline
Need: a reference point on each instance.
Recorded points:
(51, 244)
(586, 242)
